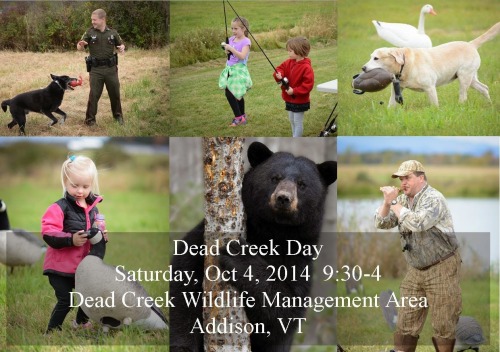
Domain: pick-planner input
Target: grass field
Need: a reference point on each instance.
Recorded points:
(135, 188)
(30, 298)
(456, 20)
(365, 180)
(199, 107)
(144, 93)
(365, 330)
(136, 205)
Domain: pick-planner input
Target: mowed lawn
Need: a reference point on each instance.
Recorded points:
(143, 78)
(29, 300)
(459, 20)
(199, 107)
(365, 329)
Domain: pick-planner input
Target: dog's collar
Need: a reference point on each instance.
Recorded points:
(398, 75)
(59, 84)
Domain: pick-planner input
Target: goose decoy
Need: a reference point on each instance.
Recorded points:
(404, 35)
(389, 308)
(354, 287)
(17, 247)
(94, 278)
(469, 334)
(371, 81)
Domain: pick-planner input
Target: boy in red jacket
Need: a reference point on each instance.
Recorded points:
(296, 77)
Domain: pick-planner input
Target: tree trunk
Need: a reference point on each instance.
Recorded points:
(224, 220)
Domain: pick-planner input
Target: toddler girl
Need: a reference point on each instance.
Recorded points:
(235, 78)
(298, 70)
(63, 229)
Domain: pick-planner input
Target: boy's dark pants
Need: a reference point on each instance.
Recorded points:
(62, 287)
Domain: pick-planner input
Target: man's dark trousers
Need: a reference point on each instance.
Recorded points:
(100, 76)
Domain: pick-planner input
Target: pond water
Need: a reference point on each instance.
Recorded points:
(470, 215)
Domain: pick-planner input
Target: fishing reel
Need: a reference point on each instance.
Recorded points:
(331, 129)
(223, 47)
(330, 125)
(285, 83)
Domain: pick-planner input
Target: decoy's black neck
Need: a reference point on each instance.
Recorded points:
(4, 218)
(98, 243)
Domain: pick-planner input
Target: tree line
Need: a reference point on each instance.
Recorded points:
(42, 26)
(395, 157)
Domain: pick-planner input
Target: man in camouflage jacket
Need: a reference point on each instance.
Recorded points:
(102, 63)
(430, 248)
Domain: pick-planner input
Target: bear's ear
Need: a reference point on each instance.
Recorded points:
(328, 171)
(258, 153)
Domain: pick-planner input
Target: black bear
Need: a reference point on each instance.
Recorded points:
(284, 199)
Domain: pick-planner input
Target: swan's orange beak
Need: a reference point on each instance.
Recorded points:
(433, 12)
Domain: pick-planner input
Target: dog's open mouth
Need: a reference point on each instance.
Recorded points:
(73, 82)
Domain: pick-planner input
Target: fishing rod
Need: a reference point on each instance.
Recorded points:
(225, 21)
(330, 126)
(284, 80)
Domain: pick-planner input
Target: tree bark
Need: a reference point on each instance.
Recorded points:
(224, 220)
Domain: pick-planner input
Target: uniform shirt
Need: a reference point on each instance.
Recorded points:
(102, 44)
(426, 227)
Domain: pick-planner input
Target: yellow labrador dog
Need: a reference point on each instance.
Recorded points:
(426, 68)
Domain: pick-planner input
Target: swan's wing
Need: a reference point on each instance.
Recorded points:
(404, 29)
(402, 35)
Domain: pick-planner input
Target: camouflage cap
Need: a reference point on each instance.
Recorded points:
(408, 167)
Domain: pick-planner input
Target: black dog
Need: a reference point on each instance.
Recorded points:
(44, 101)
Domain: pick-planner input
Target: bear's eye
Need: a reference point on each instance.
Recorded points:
(375, 58)
(301, 184)
(276, 178)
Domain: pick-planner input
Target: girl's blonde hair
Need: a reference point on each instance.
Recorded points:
(243, 22)
(82, 166)
(299, 45)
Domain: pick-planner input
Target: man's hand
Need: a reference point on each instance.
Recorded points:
(390, 193)
(81, 45)
(121, 48)
(79, 238)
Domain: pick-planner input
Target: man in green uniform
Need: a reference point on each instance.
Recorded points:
(102, 63)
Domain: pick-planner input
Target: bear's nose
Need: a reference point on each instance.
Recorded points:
(284, 199)
(363, 68)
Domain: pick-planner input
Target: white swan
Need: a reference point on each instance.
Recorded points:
(406, 36)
